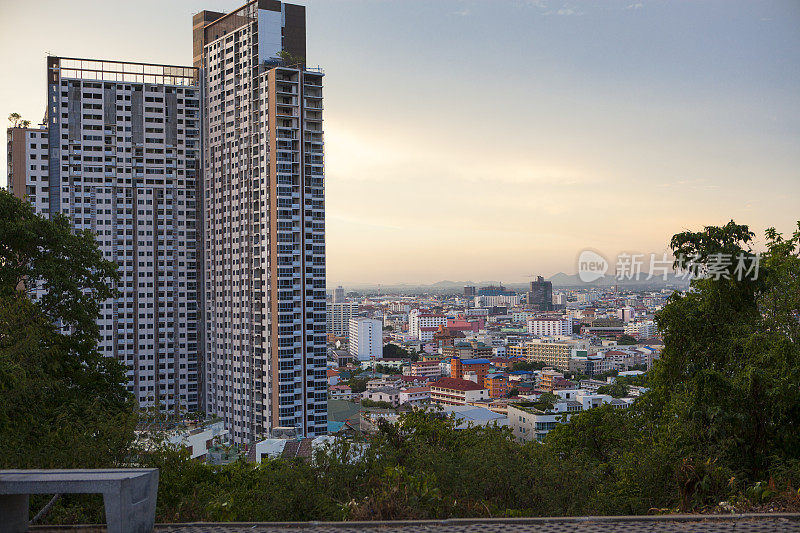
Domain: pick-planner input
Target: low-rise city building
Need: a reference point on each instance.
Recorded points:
(454, 391)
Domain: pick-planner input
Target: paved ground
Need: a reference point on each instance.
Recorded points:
(762, 523)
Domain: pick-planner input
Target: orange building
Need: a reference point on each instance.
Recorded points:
(459, 367)
(497, 385)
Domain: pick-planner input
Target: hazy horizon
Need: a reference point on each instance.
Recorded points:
(498, 139)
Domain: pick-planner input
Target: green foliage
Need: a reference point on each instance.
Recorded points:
(393, 351)
(760, 492)
(291, 60)
(35, 251)
(603, 375)
(16, 120)
(386, 369)
(530, 367)
(626, 340)
(62, 403)
(616, 389)
(546, 401)
(721, 415)
(637, 380)
(380, 405)
(726, 382)
(357, 384)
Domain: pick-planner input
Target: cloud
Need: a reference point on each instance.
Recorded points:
(465, 12)
(564, 11)
(537, 3)
(637, 5)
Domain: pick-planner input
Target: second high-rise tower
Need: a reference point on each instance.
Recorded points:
(263, 332)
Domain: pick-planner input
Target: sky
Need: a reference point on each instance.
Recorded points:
(495, 139)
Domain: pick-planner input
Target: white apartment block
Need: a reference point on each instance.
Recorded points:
(547, 327)
(426, 369)
(383, 394)
(420, 319)
(365, 340)
(499, 300)
(338, 295)
(338, 317)
(645, 329)
(399, 307)
(415, 396)
(119, 156)
(264, 206)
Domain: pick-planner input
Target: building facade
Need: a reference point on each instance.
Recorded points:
(452, 391)
(422, 325)
(551, 326)
(264, 221)
(459, 368)
(205, 184)
(338, 317)
(540, 295)
(119, 155)
(497, 385)
(338, 295)
(425, 369)
(365, 340)
(556, 354)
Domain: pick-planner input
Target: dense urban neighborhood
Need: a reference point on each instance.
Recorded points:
(179, 342)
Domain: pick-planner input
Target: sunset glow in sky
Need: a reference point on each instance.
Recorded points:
(492, 139)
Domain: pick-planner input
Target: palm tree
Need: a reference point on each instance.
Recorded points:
(16, 121)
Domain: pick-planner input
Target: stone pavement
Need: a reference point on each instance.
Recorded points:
(758, 523)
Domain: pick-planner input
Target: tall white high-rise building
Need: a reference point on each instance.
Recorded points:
(205, 184)
(264, 221)
(366, 338)
(338, 295)
(338, 317)
(119, 155)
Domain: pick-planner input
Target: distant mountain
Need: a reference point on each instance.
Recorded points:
(560, 280)
(563, 279)
(566, 280)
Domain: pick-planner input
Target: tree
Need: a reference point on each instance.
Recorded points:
(546, 401)
(527, 366)
(358, 384)
(394, 351)
(63, 403)
(366, 402)
(291, 60)
(15, 119)
(626, 340)
(725, 388)
(616, 389)
(386, 369)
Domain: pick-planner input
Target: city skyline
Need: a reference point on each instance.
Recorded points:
(205, 186)
(612, 127)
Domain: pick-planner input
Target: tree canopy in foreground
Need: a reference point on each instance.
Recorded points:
(721, 420)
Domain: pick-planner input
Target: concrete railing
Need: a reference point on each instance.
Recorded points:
(129, 495)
